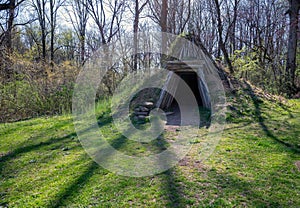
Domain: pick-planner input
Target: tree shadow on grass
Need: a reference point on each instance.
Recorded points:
(44, 131)
(82, 180)
(238, 126)
(75, 186)
(256, 101)
(285, 108)
(172, 189)
(104, 120)
(36, 146)
(230, 185)
(32, 147)
(170, 185)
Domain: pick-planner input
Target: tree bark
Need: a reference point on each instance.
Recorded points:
(164, 16)
(4, 6)
(82, 47)
(137, 11)
(135, 31)
(221, 42)
(164, 29)
(79, 22)
(41, 10)
(292, 46)
(43, 28)
(52, 30)
(10, 23)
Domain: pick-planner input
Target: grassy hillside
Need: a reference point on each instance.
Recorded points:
(42, 163)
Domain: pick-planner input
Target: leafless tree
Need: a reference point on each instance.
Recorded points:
(40, 8)
(107, 16)
(171, 15)
(292, 46)
(203, 24)
(138, 9)
(222, 43)
(10, 7)
(54, 6)
(79, 18)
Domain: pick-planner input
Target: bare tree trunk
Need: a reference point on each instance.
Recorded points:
(221, 42)
(164, 16)
(10, 23)
(135, 31)
(40, 6)
(79, 22)
(4, 6)
(137, 13)
(164, 29)
(232, 27)
(82, 47)
(52, 30)
(108, 27)
(292, 46)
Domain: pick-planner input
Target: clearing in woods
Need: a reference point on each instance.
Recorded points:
(256, 163)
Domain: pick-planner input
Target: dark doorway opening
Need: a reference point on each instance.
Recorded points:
(191, 79)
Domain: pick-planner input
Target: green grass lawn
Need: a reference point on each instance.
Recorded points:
(42, 164)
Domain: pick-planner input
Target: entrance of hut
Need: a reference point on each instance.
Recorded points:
(191, 79)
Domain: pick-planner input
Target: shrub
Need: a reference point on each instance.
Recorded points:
(35, 88)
